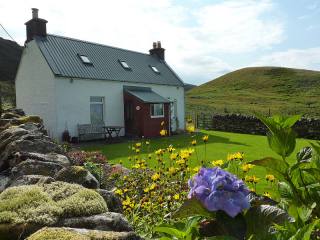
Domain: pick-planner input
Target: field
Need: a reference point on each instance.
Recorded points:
(218, 146)
(260, 89)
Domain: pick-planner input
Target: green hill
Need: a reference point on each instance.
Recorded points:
(262, 89)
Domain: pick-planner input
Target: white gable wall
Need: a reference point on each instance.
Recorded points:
(73, 101)
(35, 87)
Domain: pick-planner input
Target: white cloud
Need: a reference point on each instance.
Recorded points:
(294, 58)
(192, 36)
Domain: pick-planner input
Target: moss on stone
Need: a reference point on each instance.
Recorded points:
(28, 204)
(31, 119)
(57, 234)
(45, 204)
(72, 174)
(80, 234)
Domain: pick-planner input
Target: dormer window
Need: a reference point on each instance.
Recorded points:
(125, 65)
(85, 59)
(155, 69)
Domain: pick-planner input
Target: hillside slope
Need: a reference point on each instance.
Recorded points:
(10, 54)
(262, 89)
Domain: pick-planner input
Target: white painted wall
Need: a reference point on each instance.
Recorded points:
(73, 101)
(35, 87)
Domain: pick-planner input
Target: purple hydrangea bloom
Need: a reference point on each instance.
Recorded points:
(217, 189)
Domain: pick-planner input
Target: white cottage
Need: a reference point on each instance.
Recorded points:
(70, 82)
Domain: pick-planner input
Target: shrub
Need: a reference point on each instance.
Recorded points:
(80, 157)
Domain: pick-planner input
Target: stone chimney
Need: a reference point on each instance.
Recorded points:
(157, 50)
(36, 26)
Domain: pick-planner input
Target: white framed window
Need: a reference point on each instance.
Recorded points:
(125, 65)
(155, 69)
(97, 110)
(156, 110)
(85, 59)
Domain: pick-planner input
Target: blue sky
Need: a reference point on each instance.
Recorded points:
(203, 39)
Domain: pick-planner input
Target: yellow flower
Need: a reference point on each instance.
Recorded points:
(173, 156)
(181, 161)
(217, 163)
(133, 148)
(153, 186)
(172, 170)
(196, 169)
(138, 145)
(159, 152)
(248, 179)
(163, 132)
(270, 177)
(246, 167)
(137, 150)
(119, 192)
(266, 194)
(147, 143)
(162, 123)
(149, 155)
(191, 128)
(194, 142)
(184, 154)
(255, 179)
(176, 196)
(205, 138)
(170, 149)
(235, 156)
(129, 158)
(155, 177)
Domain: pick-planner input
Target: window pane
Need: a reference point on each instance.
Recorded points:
(96, 113)
(96, 99)
(157, 109)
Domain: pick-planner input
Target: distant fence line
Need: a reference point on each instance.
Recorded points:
(238, 123)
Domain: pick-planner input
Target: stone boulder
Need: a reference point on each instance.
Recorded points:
(28, 143)
(108, 221)
(50, 157)
(31, 179)
(34, 167)
(4, 181)
(79, 175)
(81, 234)
(113, 202)
(11, 134)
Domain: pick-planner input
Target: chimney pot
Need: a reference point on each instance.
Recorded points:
(157, 50)
(35, 12)
(35, 26)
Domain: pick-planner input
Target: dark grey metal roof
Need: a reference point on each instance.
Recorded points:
(145, 94)
(62, 55)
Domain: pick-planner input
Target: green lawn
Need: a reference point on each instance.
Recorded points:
(218, 146)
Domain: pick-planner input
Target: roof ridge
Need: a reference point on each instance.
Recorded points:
(95, 43)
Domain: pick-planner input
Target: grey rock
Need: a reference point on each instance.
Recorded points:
(4, 182)
(33, 167)
(79, 175)
(113, 202)
(31, 179)
(50, 157)
(106, 222)
(28, 143)
(9, 135)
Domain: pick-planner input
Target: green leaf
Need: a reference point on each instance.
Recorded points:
(192, 207)
(171, 231)
(260, 220)
(221, 238)
(236, 227)
(277, 167)
(305, 232)
(285, 191)
(281, 137)
(304, 155)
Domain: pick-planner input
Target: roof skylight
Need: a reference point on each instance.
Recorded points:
(155, 69)
(125, 65)
(85, 59)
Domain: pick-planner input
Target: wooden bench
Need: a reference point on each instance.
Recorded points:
(85, 130)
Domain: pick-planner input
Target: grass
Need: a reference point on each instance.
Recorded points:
(282, 90)
(218, 146)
